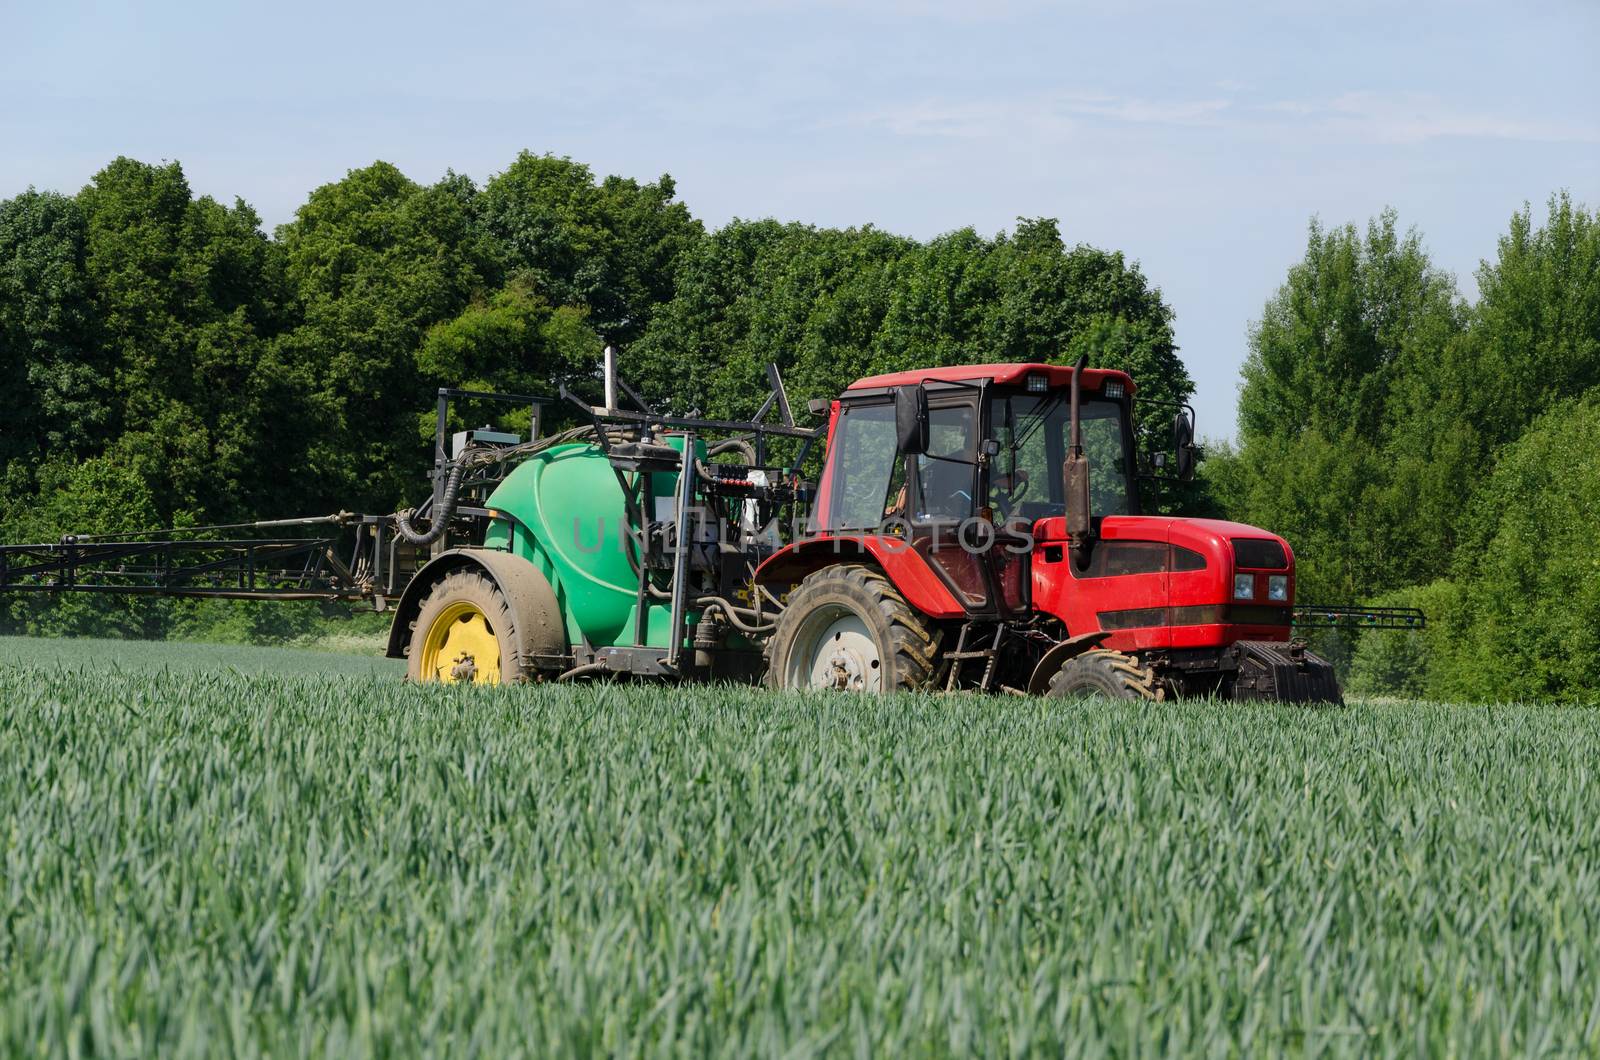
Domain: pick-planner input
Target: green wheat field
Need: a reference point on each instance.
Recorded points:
(211, 851)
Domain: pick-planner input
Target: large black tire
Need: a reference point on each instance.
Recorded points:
(847, 627)
(1102, 672)
(447, 643)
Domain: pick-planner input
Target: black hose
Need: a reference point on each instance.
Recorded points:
(582, 671)
(740, 443)
(439, 521)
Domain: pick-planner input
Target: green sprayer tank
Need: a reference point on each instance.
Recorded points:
(570, 520)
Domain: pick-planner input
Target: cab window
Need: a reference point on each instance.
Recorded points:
(863, 458)
(947, 472)
(1034, 431)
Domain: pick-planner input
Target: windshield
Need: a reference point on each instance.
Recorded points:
(1033, 431)
(868, 483)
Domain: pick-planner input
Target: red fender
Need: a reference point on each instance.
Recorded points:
(907, 569)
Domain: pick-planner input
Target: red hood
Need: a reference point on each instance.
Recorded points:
(1206, 536)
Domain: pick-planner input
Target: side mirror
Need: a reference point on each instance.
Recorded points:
(1183, 445)
(911, 419)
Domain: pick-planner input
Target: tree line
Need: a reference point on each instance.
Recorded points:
(1420, 449)
(168, 363)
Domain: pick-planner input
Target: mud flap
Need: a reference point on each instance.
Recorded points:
(1282, 671)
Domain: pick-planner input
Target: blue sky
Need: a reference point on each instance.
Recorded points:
(1196, 138)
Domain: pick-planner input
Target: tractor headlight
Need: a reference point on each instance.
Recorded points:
(1278, 588)
(1244, 586)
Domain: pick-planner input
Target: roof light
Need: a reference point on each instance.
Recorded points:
(1038, 382)
(1113, 389)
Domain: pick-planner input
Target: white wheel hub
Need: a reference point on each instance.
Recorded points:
(836, 650)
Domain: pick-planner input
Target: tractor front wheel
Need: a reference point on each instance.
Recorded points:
(466, 632)
(1101, 672)
(847, 628)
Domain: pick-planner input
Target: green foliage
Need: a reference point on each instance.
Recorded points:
(49, 356)
(331, 864)
(186, 292)
(1325, 354)
(377, 260)
(830, 305)
(1327, 370)
(1538, 319)
(514, 341)
(1380, 421)
(1410, 664)
(613, 247)
(1531, 572)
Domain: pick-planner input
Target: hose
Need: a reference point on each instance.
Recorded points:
(585, 670)
(732, 614)
(746, 450)
(440, 520)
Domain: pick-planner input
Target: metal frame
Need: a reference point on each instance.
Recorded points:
(265, 569)
(1332, 616)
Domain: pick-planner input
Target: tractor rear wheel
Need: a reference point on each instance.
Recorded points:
(846, 627)
(1102, 672)
(465, 631)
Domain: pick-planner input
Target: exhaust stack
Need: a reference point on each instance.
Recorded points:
(1076, 477)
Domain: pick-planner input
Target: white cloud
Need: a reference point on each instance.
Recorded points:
(1366, 117)
(1410, 118)
(1053, 117)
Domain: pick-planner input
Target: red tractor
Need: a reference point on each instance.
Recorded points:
(979, 526)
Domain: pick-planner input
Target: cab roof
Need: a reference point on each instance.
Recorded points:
(1009, 374)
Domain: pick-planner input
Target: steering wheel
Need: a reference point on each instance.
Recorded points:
(1006, 497)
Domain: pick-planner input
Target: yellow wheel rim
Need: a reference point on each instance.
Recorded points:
(460, 646)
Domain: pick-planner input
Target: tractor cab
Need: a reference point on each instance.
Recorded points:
(960, 465)
(988, 447)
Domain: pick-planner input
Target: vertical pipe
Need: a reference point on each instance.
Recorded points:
(441, 457)
(1077, 386)
(1075, 479)
(641, 622)
(610, 378)
(676, 630)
